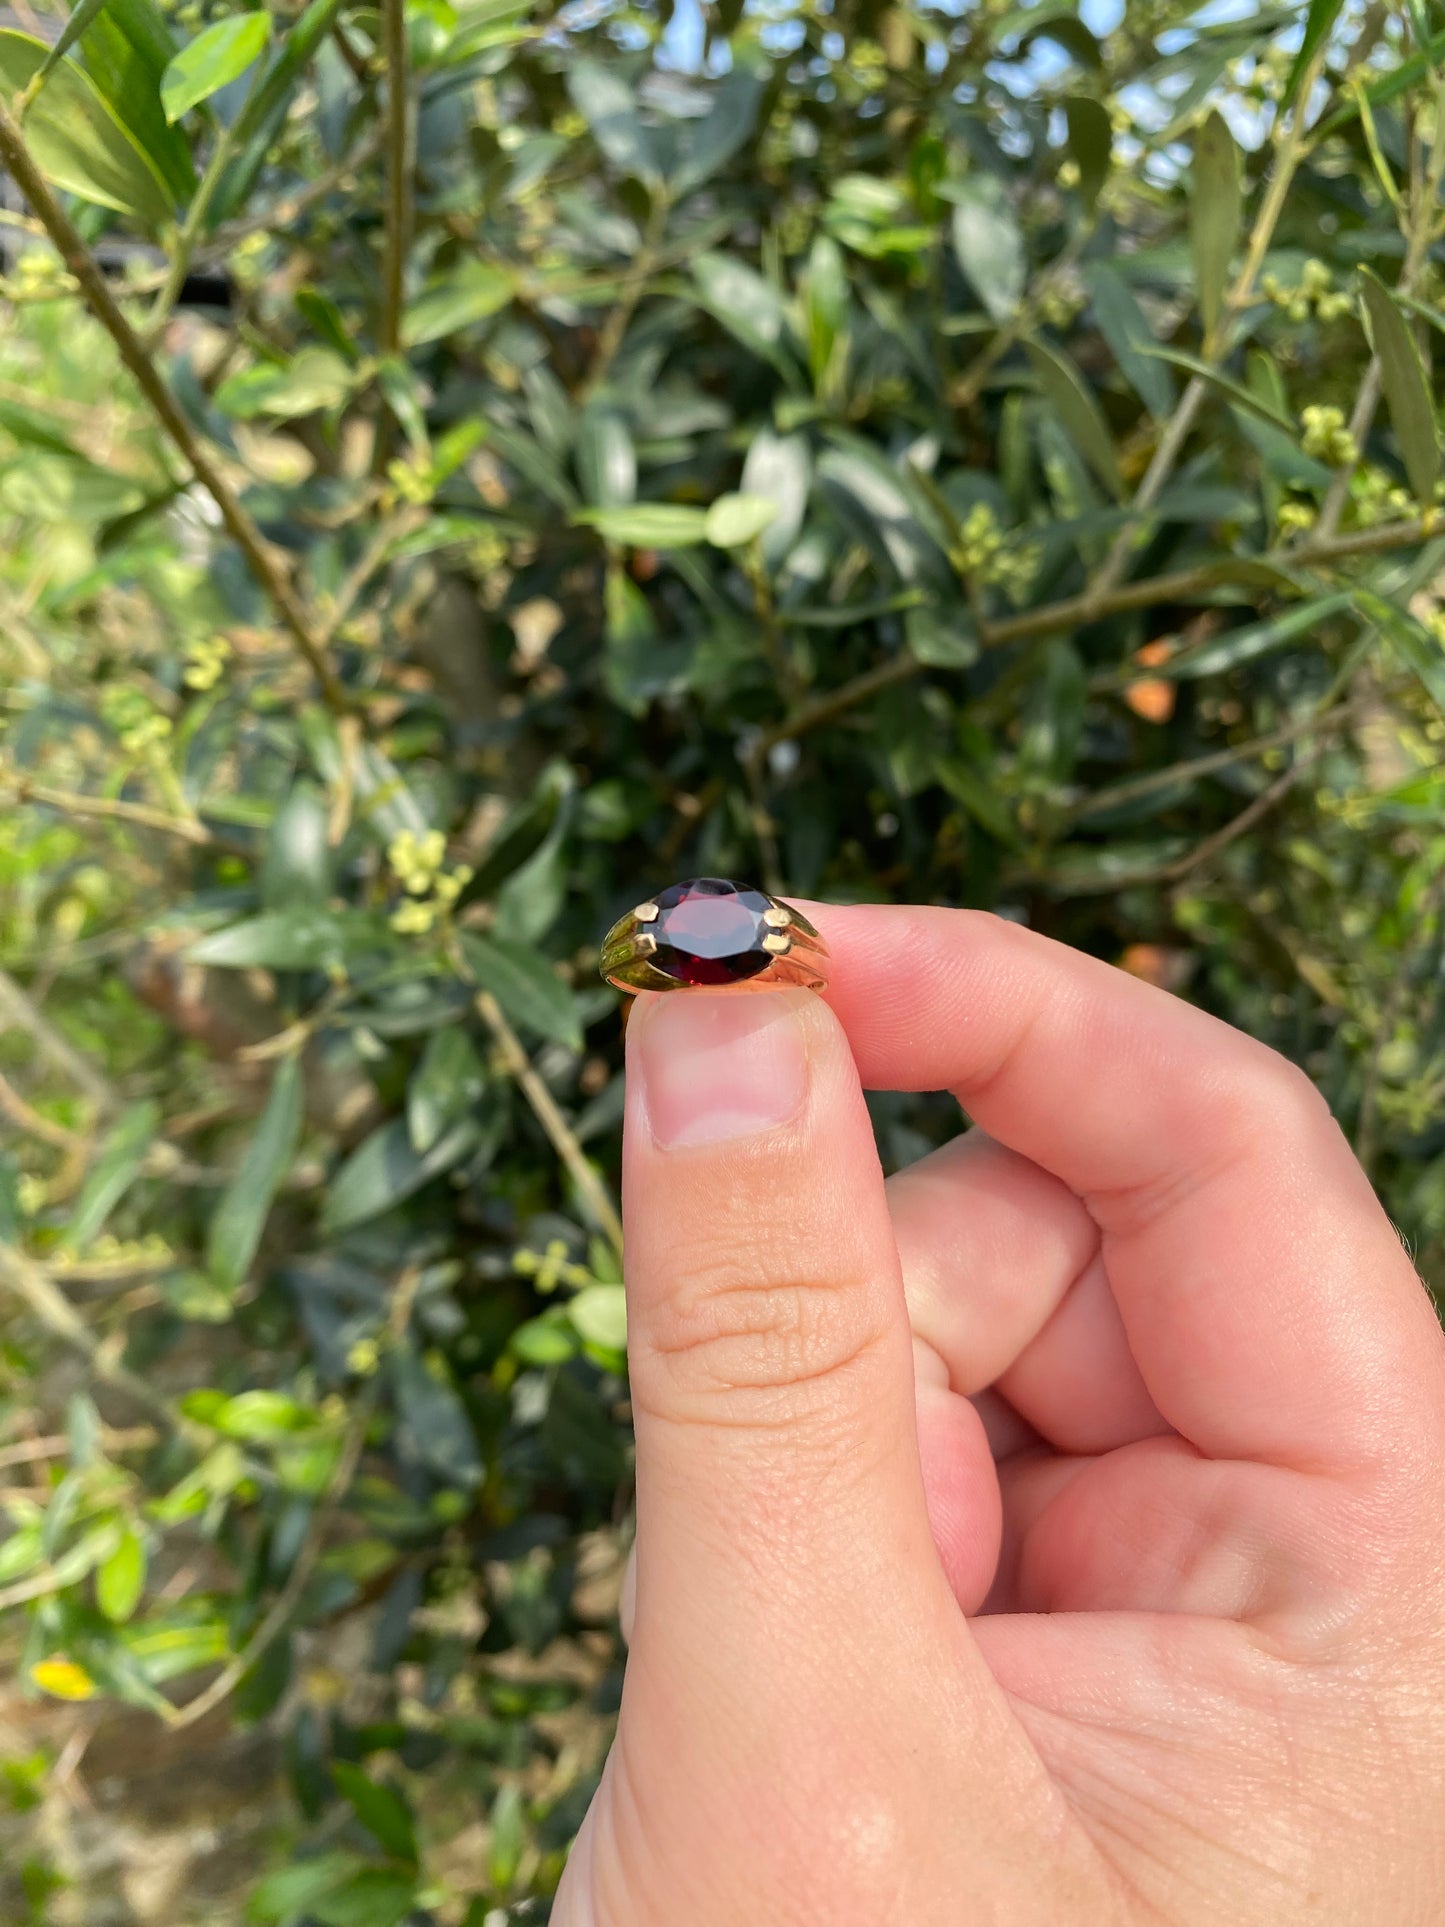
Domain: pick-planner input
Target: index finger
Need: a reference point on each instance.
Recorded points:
(1267, 1300)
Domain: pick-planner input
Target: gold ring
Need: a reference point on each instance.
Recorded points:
(712, 934)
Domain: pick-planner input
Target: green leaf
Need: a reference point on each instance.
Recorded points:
(823, 299)
(980, 798)
(11, 1216)
(374, 1898)
(523, 984)
(322, 314)
(471, 293)
(300, 937)
(284, 1898)
(268, 104)
(1407, 388)
(80, 18)
(1389, 86)
(1053, 714)
(297, 865)
(1419, 650)
(145, 29)
(240, 1217)
(120, 1579)
(865, 487)
(988, 243)
(508, 1835)
(779, 468)
(1254, 639)
(599, 1314)
(647, 525)
(434, 1422)
(735, 520)
(942, 638)
(114, 1171)
(20, 1553)
(314, 381)
(1318, 22)
(76, 138)
(52, 489)
(547, 1340)
(609, 107)
(1081, 415)
(636, 666)
(33, 428)
(1066, 30)
(529, 902)
(1233, 391)
(446, 1083)
(750, 308)
(380, 1809)
(386, 1170)
(256, 1418)
(606, 458)
(1091, 143)
(705, 146)
(1123, 324)
(286, 67)
(1215, 209)
(213, 60)
(125, 49)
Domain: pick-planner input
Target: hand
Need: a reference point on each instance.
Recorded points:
(1051, 1536)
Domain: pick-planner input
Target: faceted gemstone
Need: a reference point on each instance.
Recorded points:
(710, 931)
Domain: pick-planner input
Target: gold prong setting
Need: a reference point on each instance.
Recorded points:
(711, 934)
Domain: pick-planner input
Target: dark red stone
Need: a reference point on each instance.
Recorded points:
(710, 931)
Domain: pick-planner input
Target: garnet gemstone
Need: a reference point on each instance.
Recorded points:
(710, 931)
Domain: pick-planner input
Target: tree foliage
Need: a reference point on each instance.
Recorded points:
(464, 465)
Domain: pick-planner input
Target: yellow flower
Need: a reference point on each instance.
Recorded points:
(413, 919)
(63, 1679)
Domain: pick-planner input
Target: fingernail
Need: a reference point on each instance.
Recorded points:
(720, 1067)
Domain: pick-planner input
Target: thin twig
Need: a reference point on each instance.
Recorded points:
(614, 328)
(373, 558)
(78, 258)
(969, 386)
(297, 1580)
(1419, 234)
(40, 1585)
(1180, 867)
(25, 1118)
(188, 239)
(1163, 779)
(1403, 983)
(286, 212)
(518, 1066)
(20, 1010)
(1361, 417)
(400, 169)
(1073, 612)
(130, 1438)
(33, 1286)
(1247, 817)
(1289, 151)
(399, 163)
(109, 808)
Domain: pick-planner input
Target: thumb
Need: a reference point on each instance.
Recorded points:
(778, 1482)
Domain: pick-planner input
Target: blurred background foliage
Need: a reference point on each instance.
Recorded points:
(462, 465)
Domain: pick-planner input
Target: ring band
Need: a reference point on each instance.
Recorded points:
(711, 934)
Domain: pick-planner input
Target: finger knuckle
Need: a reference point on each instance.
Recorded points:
(1268, 1098)
(731, 1333)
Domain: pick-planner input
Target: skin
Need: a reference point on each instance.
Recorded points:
(1050, 1535)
